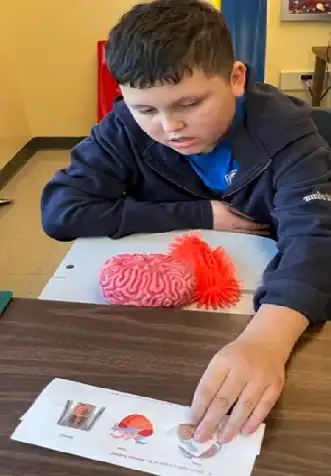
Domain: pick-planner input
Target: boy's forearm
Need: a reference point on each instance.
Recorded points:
(278, 326)
(68, 214)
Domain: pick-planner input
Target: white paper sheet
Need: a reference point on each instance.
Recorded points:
(130, 431)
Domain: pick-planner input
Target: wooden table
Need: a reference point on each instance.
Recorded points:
(158, 353)
(323, 57)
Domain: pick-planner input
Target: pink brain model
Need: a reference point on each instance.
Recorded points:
(154, 280)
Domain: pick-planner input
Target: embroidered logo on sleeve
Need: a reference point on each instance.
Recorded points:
(325, 197)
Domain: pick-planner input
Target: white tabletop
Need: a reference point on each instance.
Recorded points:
(77, 277)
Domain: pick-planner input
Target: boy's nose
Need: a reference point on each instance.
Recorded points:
(172, 125)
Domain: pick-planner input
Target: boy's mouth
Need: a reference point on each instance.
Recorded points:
(182, 143)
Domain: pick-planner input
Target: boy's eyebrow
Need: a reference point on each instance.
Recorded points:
(177, 102)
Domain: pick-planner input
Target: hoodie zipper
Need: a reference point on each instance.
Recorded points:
(178, 185)
(225, 195)
(253, 177)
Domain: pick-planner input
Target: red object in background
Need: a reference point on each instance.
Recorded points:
(108, 89)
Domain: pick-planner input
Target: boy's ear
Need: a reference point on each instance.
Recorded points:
(238, 78)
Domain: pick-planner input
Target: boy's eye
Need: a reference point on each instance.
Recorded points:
(151, 110)
(191, 104)
(147, 111)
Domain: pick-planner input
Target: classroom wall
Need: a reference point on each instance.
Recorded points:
(14, 126)
(216, 3)
(57, 58)
(289, 45)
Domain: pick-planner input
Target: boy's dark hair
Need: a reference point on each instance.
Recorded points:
(164, 40)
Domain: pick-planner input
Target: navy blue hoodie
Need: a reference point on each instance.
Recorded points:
(120, 182)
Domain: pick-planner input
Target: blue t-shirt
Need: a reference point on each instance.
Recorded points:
(218, 168)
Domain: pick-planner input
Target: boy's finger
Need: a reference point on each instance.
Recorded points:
(255, 226)
(201, 401)
(262, 410)
(206, 390)
(245, 224)
(241, 412)
(219, 407)
(246, 220)
(260, 226)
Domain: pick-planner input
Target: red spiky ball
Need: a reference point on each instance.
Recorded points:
(215, 273)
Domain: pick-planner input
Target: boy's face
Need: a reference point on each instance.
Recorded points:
(191, 116)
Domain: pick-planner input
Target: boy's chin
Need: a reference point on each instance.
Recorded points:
(198, 150)
(194, 150)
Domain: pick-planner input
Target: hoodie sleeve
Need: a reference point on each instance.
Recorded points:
(299, 277)
(92, 196)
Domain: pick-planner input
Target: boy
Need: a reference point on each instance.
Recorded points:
(196, 143)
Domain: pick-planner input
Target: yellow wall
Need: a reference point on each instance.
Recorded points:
(216, 3)
(14, 126)
(57, 56)
(289, 43)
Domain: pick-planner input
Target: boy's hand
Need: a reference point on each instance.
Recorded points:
(227, 220)
(245, 371)
(248, 375)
